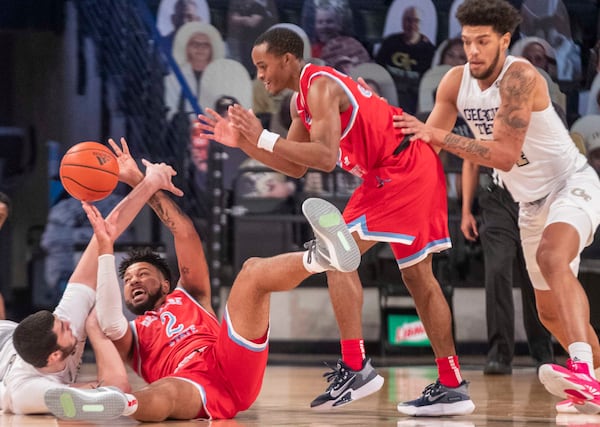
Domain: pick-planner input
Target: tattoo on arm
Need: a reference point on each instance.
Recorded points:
(467, 146)
(162, 212)
(516, 89)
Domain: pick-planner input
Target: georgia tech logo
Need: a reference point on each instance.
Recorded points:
(580, 192)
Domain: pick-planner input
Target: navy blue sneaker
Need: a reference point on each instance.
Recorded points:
(439, 400)
(347, 385)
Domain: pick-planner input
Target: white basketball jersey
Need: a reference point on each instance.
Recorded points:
(548, 154)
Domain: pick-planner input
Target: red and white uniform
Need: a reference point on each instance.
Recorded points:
(183, 340)
(402, 199)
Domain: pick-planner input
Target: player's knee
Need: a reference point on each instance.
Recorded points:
(250, 270)
(550, 260)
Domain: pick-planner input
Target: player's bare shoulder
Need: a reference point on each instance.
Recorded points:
(520, 81)
(450, 84)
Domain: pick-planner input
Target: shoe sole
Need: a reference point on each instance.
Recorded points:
(71, 404)
(558, 384)
(330, 228)
(366, 390)
(464, 407)
(566, 409)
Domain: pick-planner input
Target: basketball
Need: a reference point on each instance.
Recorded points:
(89, 171)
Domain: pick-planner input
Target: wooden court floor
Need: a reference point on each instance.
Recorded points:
(516, 400)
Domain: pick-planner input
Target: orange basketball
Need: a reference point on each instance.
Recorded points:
(89, 171)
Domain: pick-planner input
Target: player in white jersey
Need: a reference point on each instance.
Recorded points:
(507, 105)
(44, 350)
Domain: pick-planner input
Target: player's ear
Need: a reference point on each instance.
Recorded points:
(165, 286)
(54, 357)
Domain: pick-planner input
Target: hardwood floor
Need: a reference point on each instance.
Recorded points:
(515, 400)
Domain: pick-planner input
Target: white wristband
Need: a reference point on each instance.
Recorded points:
(267, 140)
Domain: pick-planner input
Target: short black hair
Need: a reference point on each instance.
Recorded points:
(280, 41)
(146, 255)
(499, 14)
(6, 200)
(34, 339)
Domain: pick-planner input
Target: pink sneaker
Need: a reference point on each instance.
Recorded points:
(575, 384)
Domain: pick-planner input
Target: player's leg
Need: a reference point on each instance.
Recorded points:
(353, 377)
(571, 218)
(449, 394)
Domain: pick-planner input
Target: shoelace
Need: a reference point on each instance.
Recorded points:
(311, 245)
(336, 376)
(432, 389)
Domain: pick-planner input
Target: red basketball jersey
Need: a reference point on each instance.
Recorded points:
(165, 339)
(368, 138)
(402, 199)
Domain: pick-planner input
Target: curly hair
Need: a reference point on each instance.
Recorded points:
(280, 41)
(146, 255)
(499, 14)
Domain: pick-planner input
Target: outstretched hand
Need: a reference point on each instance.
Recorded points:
(218, 128)
(246, 122)
(104, 230)
(160, 174)
(129, 172)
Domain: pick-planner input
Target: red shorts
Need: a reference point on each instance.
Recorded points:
(228, 374)
(403, 202)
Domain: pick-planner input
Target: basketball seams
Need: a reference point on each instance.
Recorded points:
(95, 190)
(78, 165)
(89, 171)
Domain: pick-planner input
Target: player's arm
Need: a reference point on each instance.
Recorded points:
(320, 152)
(517, 91)
(108, 295)
(444, 112)
(296, 132)
(191, 261)
(243, 130)
(317, 150)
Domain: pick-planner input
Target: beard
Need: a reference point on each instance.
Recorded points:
(489, 71)
(67, 351)
(148, 305)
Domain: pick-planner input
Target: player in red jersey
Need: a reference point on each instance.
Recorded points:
(402, 200)
(196, 366)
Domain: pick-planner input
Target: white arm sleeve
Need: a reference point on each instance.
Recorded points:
(109, 307)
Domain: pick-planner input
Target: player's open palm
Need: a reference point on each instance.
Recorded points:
(219, 129)
(104, 230)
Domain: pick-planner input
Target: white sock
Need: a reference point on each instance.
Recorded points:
(313, 266)
(582, 352)
(132, 404)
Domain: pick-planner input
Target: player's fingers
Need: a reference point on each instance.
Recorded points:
(202, 126)
(213, 114)
(124, 145)
(114, 147)
(176, 191)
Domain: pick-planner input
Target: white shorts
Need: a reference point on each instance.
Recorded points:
(576, 203)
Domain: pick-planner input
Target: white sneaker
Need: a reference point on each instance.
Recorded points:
(333, 247)
(102, 403)
(566, 407)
